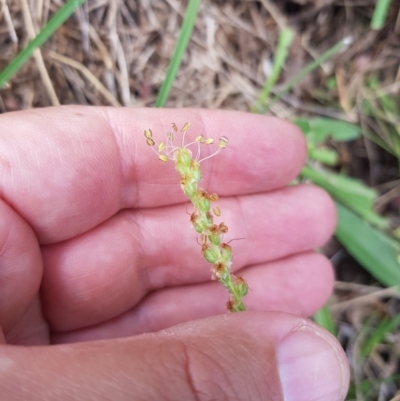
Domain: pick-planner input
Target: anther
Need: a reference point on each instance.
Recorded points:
(185, 127)
(223, 142)
(217, 211)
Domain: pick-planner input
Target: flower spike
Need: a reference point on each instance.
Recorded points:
(213, 249)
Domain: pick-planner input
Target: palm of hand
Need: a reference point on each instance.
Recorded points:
(96, 242)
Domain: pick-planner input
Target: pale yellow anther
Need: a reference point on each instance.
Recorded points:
(217, 211)
(185, 127)
(148, 134)
(163, 158)
(150, 142)
(223, 141)
(208, 141)
(174, 127)
(161, 147)
(199, 138)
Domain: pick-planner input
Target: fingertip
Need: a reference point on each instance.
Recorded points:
(299, 284)
(312, 366)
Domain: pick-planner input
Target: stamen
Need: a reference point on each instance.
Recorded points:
(217, 211)
(223, 142)
(184, 129)
(150, 142)
(213, 154)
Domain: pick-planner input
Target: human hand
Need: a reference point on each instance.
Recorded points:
(96, 225)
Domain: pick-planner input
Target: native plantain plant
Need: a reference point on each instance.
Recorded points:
(216, 252)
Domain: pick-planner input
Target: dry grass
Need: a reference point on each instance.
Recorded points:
(117, 52)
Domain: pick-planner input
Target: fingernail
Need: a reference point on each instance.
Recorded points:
(311, 367)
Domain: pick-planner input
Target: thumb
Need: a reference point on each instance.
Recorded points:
(245, 356)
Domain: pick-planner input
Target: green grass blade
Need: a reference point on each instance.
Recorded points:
(181, 45)
(385, 326)
(58, 19)
(377, 252)
(324, 156)
(318, 129)
(285, 39)
(350, 192)
(380, 13)
(324, 318)
(340, 46)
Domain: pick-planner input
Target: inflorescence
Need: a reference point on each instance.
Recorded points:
(216, 252)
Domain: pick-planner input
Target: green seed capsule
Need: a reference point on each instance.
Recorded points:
(183, 157)
(182, 169)
(242, 289)
(211, 254)
(226, 254)
(190, 189)
(195, 172)
(203, 204)
(200, 225)
(214, 239)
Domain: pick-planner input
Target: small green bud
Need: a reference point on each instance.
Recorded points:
(241, 287)
(214, 239)
(195, 172)
(211, 254)
(226, 253)
(237, 307)
(183, 157)
(209, 218)
(203, 204)
(200, 225)
(190, 189)
(182, 169)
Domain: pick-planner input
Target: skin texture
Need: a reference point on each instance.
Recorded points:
(96, 246)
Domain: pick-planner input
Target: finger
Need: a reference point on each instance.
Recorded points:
(31, 328)
(20, 267)
(78, 166)
(107, 271)
(244, 356)
(287, 285)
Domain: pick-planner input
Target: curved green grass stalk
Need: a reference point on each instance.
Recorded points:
(324, 318)
(377, 252)
(54, 23)
(380, 12)
(387, 325)
(340, 46)
(181, 45)
(285, 39)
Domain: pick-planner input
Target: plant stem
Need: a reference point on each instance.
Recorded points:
(54, 23)
(285, 39)
(340, 46)
(181, 45)
(380, 12)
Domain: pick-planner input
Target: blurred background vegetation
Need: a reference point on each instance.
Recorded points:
(330, 66)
